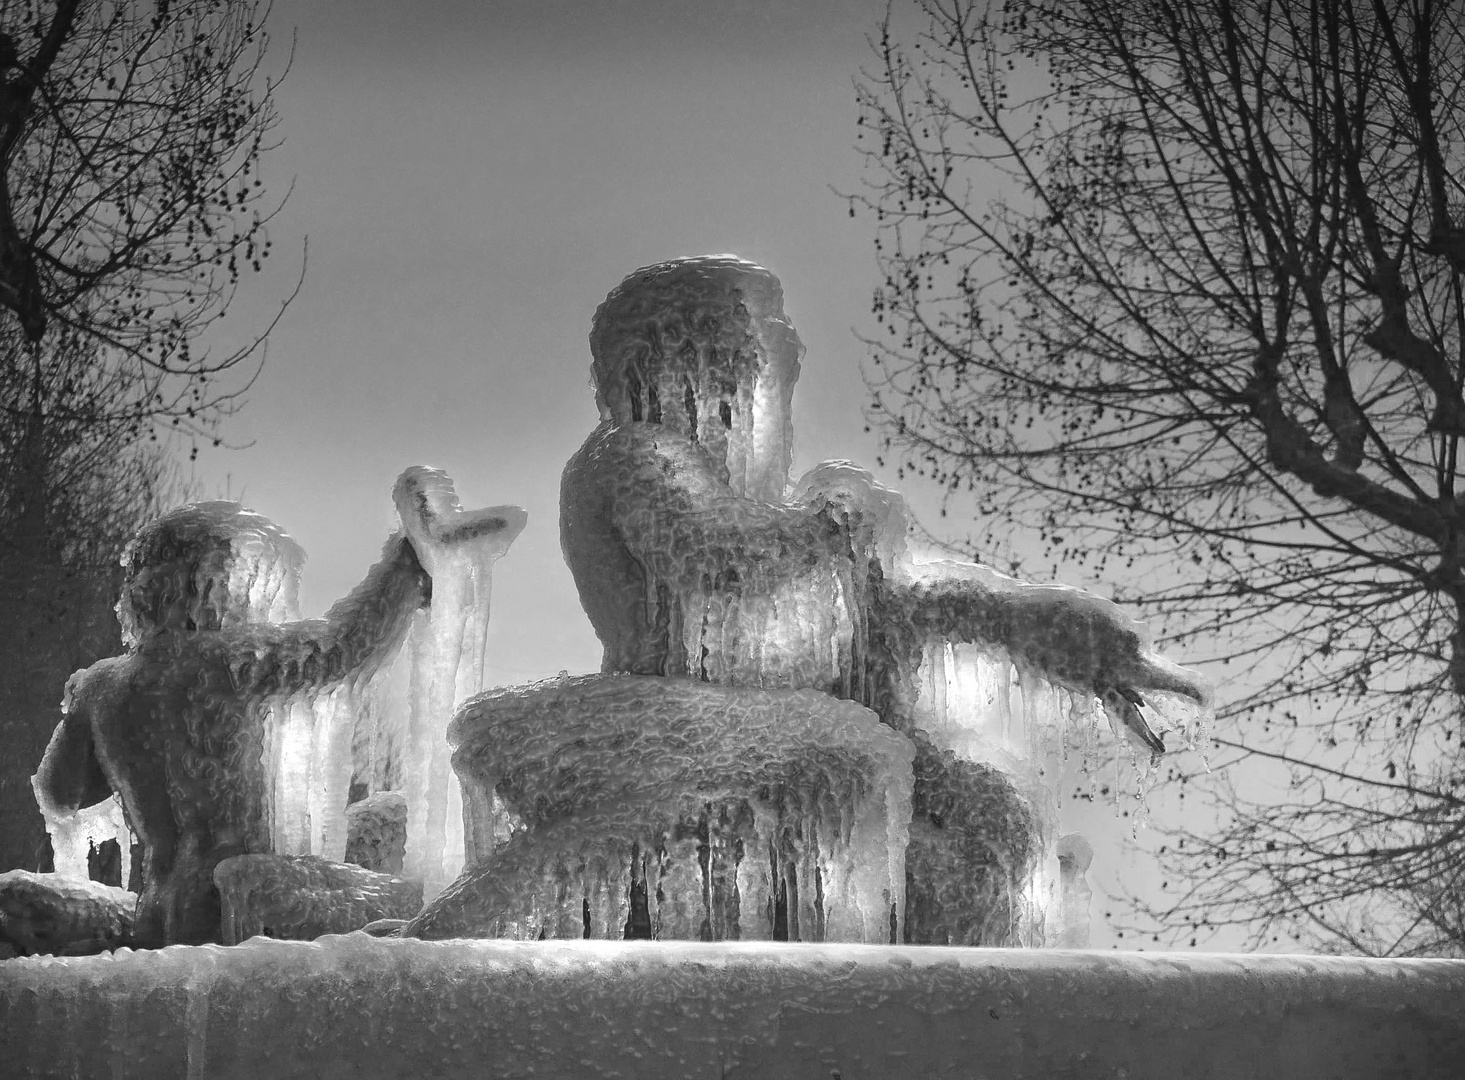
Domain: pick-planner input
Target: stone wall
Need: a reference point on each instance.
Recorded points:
(358, 1007)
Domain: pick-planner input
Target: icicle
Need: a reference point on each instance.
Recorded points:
(292, 721)
(334, 721)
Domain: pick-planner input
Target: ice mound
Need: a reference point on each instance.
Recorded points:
(302, 897)
(58, 913)
(976, 844)
(376, 832)
(727, 812)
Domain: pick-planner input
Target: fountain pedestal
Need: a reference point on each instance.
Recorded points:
(359, 1007)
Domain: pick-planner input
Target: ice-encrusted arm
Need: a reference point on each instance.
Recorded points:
(1072, 636)
(69, 777)
(74, 795)
(359, 633)
(674, 510)
(1068, 636)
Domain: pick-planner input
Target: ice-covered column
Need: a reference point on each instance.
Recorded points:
(458, 548)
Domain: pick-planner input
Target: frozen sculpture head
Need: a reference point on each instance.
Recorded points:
(798, 732)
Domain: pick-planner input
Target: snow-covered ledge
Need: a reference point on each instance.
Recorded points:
(357, 1007)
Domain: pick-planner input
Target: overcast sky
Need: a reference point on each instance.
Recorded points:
(473, 178)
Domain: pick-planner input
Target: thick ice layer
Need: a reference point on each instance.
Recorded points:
(303, 897)
(60, 913)
(358, 1007)
(223, 731)
(717, 805)
(681, 576)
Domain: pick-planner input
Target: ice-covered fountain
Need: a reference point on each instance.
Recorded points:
(797, 733)
(804, 749)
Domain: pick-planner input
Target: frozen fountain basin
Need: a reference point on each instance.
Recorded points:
(358, 1007)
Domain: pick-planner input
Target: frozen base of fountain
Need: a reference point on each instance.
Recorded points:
(357, 1007)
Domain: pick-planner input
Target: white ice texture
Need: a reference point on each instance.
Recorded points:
(74, 834)
(354, 1007)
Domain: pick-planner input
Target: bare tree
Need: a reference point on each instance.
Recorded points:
(130, 196)
(1176, 286)
(131, 206)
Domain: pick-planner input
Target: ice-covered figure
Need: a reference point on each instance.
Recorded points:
(696, 560)
(693, 557)
(226, 727)
(459, 548)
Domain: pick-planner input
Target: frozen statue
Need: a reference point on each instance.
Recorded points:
(226, 728)
(798, 732)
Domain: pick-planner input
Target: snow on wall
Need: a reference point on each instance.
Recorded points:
(356, 1007)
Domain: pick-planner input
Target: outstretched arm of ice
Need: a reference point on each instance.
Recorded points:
(358, 634)
(361, 631)
(1071, 637)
